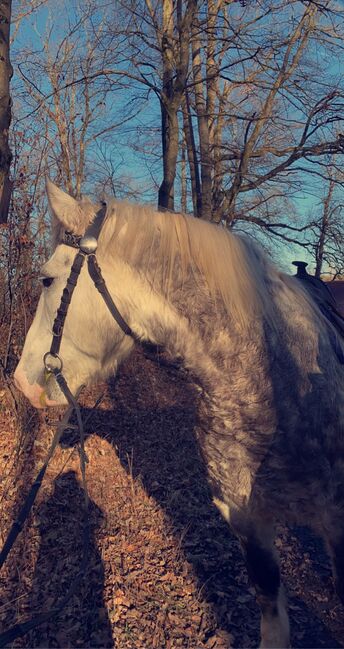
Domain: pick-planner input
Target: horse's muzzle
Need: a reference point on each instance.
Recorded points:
(34, 392)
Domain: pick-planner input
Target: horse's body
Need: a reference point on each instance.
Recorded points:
(272, 391)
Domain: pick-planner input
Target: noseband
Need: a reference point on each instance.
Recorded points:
(87, 247)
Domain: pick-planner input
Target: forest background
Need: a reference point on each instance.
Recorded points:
(230, 110)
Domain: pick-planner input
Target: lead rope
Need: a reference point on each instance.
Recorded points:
(31, 497)
(82, 453)
(22, 628)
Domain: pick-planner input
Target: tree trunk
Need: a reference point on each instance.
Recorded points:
(169, 119)
(175, 60)
(192, 155)
(320, 247)
(169, 123)
(219, 166)
(184, 189)
(5, 108)
(203, 125)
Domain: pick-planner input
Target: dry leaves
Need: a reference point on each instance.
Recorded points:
(164, 571)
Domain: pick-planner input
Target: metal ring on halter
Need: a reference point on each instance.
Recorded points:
(88, 245)
(52, 367)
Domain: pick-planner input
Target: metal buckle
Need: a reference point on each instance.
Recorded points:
(52, 363)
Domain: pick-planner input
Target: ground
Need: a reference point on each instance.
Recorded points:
(164, 570)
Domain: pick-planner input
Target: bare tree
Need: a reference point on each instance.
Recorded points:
(262, 106)
(65, 92)
(173, 39)
(5, 108)
(328, 231)
(244, 80)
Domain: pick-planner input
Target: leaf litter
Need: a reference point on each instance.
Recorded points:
(164, 570)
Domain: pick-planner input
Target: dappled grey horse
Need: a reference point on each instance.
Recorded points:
(271, 427)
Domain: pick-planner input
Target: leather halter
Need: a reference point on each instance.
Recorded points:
(86, 246)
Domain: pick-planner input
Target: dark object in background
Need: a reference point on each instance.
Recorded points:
(325, 301)
(318, 289)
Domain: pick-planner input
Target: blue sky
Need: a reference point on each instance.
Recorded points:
(142, 172)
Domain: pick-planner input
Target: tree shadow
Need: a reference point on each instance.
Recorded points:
(159, 433)
(84, 621)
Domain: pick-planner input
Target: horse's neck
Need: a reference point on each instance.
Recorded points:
(185, 324)
(157, 320)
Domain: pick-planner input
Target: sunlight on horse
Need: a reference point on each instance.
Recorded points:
(271, 409)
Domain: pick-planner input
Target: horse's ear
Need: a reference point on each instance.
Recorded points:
(65, 208)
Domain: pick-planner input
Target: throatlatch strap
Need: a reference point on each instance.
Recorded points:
(96, 276)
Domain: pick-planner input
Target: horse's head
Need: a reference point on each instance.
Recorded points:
(92, 343)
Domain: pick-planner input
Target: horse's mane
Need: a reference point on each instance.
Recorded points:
(233, 267)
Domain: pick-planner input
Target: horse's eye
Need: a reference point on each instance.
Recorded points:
(47, 281)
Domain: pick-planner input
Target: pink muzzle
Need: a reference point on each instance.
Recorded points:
(34, 392)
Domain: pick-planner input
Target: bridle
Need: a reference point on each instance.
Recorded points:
(87, 247)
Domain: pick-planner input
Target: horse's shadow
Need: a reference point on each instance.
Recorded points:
(161, 440)
(83, 621)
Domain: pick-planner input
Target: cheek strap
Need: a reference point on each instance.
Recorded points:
(65, 302)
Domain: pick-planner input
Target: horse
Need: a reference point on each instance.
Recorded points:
(254, 344)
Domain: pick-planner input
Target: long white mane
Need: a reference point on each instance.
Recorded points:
(233, 267)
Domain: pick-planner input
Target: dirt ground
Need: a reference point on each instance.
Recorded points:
(164, 570)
